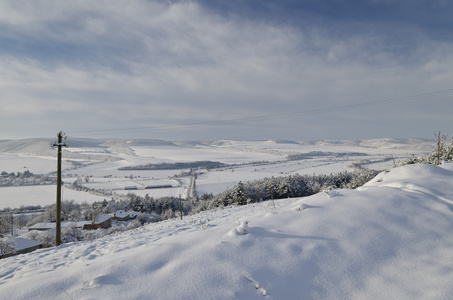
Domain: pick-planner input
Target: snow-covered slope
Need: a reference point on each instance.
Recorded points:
(391, 239)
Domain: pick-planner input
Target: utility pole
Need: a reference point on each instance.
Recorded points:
(59, 144)
(180, 205)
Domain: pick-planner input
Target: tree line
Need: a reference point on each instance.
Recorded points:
(24, 178)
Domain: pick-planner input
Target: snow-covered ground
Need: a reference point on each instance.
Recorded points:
(14, 197)
(248, 160)
(391, 239)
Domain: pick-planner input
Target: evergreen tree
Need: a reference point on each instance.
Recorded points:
(238, 195)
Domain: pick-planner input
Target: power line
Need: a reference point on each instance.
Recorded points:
(274, 116)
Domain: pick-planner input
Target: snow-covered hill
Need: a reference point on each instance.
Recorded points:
(391, 239)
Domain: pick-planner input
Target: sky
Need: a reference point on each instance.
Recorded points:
(218, 69)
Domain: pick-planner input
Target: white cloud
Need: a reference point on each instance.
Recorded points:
(142, 63)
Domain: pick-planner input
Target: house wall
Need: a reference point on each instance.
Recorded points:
(105, 224)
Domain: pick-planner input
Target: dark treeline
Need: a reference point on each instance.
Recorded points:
(24, 178)
(177, 166)
(314, 154)
(284, 187)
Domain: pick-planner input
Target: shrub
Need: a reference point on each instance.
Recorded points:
(7, 245)
(46, 238)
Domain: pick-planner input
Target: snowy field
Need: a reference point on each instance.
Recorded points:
(101, 161)
(390, 239)
(14, 197)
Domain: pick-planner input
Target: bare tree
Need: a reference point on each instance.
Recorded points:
(441, 139)
(6, 224)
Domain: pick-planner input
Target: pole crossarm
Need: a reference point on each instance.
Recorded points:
(61, 136)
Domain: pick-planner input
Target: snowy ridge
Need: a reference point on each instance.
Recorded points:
(42, 146)
(390, 239)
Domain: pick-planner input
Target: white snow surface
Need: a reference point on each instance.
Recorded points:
(390, 239)
(16, 196)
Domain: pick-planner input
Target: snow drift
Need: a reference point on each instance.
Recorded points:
(390, 239)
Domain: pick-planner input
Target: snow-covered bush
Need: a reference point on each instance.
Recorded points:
(7, 245)
(94, 234)
(134, 224)
(442, 152)
(6, 224)
(117, 228)
(168, 214)
(360, 177)
(144, 218)
(46, 238)
(71, 234)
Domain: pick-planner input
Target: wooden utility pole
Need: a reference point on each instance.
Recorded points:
(180, 205)
(59, 144)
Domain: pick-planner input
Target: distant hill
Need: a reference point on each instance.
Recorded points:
(43, 147)
(384, 143)
(107, 149)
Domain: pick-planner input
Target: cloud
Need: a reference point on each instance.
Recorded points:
(89, 66)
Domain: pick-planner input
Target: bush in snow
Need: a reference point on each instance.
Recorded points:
(7, 245)
(94, 234)
(442, 152)
(6, 224)
(71, 234)
(360, 177)
(148, 218)
(46, 238)
(168, 214)
(134, 224)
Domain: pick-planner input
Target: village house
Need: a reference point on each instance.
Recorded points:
(52, 226)
(131, 187)
(103, 221)
(122, 216)
(23, 246)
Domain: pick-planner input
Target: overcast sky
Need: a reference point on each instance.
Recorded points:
(226, 69)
